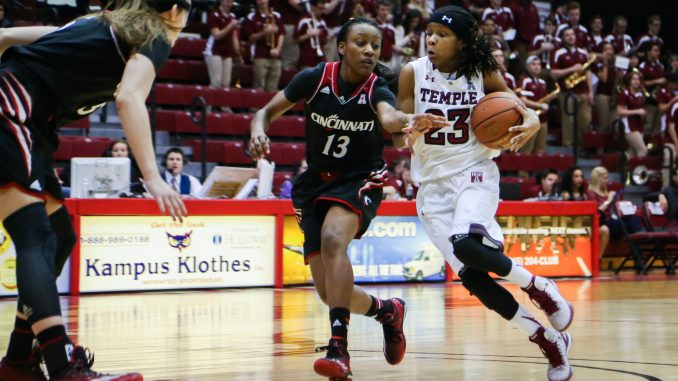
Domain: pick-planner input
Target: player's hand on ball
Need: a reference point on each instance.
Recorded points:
(167, 199)
(259, 146)
(526, 130)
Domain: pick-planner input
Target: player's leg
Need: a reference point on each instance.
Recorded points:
(339, 227)
(478, 243)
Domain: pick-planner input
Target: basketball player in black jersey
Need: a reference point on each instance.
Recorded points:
(54, 79)
(347, 105)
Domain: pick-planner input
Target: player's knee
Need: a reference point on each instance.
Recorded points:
(333, 241)
(65, 235)
(474, 252)
(489, 292)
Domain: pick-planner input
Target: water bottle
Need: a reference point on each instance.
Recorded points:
(409, 191)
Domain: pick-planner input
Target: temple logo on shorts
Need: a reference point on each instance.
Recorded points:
(476, 177)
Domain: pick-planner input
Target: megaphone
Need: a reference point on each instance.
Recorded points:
(641, 174)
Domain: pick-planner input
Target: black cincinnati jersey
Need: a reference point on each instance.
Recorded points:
(77, 68)
(342, 129)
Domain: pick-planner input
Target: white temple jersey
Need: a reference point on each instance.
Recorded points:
(452, 149)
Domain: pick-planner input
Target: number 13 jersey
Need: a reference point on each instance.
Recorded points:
(447, 151)
(342, 129)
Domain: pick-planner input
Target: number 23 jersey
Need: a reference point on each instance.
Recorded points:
(342, 129)
(447, 151)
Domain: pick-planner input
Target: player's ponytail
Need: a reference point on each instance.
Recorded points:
(476, 56)
(138, 22)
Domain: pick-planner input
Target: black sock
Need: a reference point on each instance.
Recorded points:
(339, 318)
(20, 341)
(54, 344)
(379, 308)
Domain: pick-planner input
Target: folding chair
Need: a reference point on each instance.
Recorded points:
(667, 241)
(642, 247)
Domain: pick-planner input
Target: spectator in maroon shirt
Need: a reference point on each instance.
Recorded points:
(566, 61)
(502, 16)
(223, 46)
(526, 17)
(574, 16)
(532, 91)
(290, 11)
(654, 25)
(311, 34)
(384, 10)
(596, 37)
(410, 39)
(510, 80)
(622, 42)
(559, 12)
(607, 79)
(545, 45)
(653, 74)
(631, 110)
(265, 31)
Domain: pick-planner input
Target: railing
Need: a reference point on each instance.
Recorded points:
(200, 105)
(572, 112)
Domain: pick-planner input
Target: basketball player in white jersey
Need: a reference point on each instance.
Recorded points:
(459, 191)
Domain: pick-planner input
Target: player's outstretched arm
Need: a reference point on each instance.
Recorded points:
(135, 85)
(22, 35)
(259, 142)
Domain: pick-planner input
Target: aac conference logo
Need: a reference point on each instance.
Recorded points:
(179, 241)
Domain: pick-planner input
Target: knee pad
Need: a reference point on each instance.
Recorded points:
(480, 252)
(489, 292)
(35, 245)
(66, 238)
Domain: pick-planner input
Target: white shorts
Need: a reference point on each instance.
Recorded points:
(451, 205)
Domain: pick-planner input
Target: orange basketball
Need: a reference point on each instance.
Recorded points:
(492, 117)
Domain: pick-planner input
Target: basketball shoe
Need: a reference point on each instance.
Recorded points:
(555, 346)
(337, 363)
(27, 370)
(394, 338)
(544, 294)
(80, 370)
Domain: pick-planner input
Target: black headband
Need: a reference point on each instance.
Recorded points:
(165, 5)
(459, 20)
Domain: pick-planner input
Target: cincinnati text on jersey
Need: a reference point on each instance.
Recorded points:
(450, 98)
(335, 123)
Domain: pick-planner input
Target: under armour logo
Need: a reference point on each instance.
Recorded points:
(476, 177)
(341, 99)
(431, 78)
(447, 19)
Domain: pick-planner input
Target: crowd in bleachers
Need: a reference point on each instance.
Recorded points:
(237, 55)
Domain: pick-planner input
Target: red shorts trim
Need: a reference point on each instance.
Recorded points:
(350, 207)
(39, 195)
(309, 256)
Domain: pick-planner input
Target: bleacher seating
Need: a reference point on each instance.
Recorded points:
(80, 146)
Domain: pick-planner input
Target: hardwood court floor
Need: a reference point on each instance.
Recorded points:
(624, 329)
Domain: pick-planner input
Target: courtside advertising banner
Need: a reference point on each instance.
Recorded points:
(8, 268)
(552, 246)
(394, 249)
(137, 253)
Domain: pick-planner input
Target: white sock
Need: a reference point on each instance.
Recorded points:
(518, 275)
(524, 321)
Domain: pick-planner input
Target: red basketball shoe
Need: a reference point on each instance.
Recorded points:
(28, 370)
(394, 338)
(337, 363)
(79, 370)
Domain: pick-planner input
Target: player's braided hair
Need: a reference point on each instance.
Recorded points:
(380, 70)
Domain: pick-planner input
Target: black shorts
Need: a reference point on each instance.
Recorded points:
(24, 164)
(313, 194)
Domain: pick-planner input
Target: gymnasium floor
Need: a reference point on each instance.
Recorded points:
(625, 328)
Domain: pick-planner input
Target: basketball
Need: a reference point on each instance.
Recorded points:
(492, 117)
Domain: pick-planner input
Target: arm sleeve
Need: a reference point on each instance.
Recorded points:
(382, 94)
(157, 51)
(304, 84)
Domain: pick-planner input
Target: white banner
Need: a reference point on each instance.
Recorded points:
(8, 268)
(136, 253)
